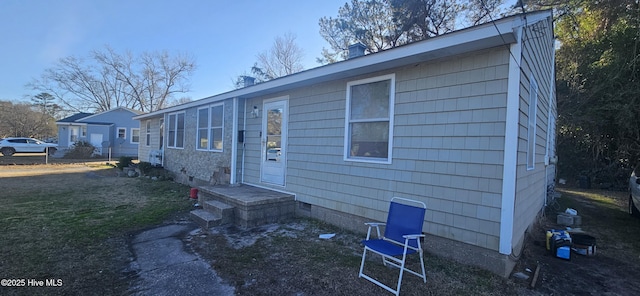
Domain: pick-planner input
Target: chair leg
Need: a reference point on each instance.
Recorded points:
(364, 254)
(404, 261)
(424, 274)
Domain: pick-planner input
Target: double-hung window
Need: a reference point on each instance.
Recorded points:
(210, 127)
(369, 119)
(175, 136)
(122, 133)
(135, 135)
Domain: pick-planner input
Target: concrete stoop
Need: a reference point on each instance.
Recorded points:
(205, 218)
(213, 213)
(244, 206)
(220, 209)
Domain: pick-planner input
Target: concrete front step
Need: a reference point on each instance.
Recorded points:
(220, 209)
(205, 218)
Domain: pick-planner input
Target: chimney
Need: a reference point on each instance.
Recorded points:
(248, 80)
(356, 50)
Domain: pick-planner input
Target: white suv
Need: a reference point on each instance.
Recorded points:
(9, 146)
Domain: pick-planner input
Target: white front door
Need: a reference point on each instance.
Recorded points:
(74, 132)
(96, 141)
(274, 142)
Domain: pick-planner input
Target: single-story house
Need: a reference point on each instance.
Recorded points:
(112, 132)
(464, 122)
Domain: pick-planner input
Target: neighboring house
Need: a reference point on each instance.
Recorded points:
(464, 122)
(114, 131)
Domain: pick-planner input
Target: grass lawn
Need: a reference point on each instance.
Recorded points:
(73, 223)
(70, 223)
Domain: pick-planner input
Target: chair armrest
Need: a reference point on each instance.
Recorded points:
(417, 237)
(413, 236)
(376, 225)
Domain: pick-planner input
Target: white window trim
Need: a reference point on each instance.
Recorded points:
(347, 134)
(532, 123)
(209, 127)
(131, 138)
(147, 134)
(71, 134)
(168, 128)
(118, 132)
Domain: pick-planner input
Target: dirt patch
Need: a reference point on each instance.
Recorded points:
(291, 259)
(614, 269)
(63, 222)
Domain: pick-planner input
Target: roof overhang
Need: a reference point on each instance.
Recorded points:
(493, 34)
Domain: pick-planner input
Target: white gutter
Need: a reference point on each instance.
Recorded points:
(234, 141)
(510, 147)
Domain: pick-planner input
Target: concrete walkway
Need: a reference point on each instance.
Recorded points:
(165, 268)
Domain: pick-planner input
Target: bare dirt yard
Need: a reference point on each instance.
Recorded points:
(614, 270)
(76, 222)
(291, 259)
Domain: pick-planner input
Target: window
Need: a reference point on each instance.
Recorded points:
(531, 128)
(203, 128)
(122, 133)
(73, 134)
(369, 119)
(148, 132)
(84, 131)
(210, 123)
(176, 130)
(135, 135)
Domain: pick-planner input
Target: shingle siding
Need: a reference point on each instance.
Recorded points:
(449, 127)
(530, 184)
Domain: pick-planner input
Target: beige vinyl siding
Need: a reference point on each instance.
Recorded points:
(144, 148)
(460, 126)
(447, 147)
(536, 62)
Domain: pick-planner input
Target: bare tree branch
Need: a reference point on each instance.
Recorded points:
(110, 79)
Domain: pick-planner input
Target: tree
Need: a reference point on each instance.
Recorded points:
(21, 120)
(598, 87)
(482, 11)
(109, 79)
(370, 22)
(45, 104)
(384, 24)
(282, 59)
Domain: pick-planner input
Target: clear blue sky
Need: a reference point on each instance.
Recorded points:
(223, 36)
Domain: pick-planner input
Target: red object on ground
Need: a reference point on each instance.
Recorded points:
(193, 193)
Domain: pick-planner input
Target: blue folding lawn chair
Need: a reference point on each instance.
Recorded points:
(402, 235)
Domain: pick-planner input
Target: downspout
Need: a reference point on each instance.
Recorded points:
(162, 126)
(234, 142)
(510, 147)
(244, 128)
(547, 157)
